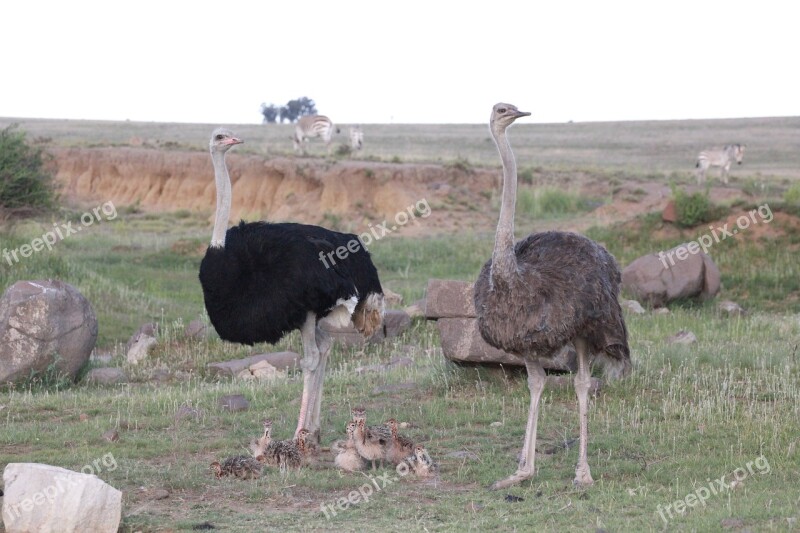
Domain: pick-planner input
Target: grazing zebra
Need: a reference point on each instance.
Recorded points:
(310, 126)
(356, 138)
(719, 157)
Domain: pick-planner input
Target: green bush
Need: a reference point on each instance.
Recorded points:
(692, 209)
(548, 202)
(24, 182)
(792, 195)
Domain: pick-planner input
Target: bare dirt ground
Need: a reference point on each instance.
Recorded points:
(349, 195)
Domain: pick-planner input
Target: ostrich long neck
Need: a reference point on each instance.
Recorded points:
(223, 181)
(504, 261)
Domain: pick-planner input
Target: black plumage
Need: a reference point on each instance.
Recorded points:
(268, 276)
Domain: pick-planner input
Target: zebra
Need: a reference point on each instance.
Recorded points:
(719, 157)
(310, 126)
(356, 138)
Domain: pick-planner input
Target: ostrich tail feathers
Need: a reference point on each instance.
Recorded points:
(368, 315)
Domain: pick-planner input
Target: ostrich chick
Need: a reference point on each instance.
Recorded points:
(399, 447)
(239, 466)
(371, 441)
(348, 458)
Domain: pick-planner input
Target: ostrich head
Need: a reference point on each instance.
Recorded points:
(350, 428)
(421, 453)
(222, 139)
(359, 414)
(392, 423)
(216, 468)
(503, 115)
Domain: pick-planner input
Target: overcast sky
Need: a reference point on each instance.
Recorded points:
(381, 61)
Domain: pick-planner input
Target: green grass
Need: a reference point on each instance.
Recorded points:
(688, 414)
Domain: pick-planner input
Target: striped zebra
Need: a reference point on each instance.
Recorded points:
(719, 157)
(356, 138)
(311, 126)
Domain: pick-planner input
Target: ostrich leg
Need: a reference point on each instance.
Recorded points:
(583, 477)
(316, 348)
(526, 469)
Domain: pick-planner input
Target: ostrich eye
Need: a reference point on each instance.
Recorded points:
(502, 110)
(219, 137)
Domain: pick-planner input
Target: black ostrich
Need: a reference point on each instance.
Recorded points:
(549, 290)
(262, 280)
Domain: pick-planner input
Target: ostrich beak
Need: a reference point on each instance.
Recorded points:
(234, 140)
(522, 114)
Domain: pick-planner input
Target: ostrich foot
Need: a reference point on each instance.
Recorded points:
(583, 477)
(517, 477)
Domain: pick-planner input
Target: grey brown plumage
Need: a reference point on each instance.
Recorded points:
(348, 458)
(239, 466)
(565, 285)
(399, 447)
(371, 441)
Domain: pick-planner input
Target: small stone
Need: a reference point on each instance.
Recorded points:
(139, 349)
(496, 424)
(196, 329)
(730, 308)
(513, 499)
(106, 376)
(391, 298)
(83, 417)
(632, 306)
(159, 494)
(187, 411)
(682, 337)
(662, 311)
(112, 435)
(234, 402)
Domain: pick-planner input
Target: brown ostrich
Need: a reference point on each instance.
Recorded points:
(546, 291)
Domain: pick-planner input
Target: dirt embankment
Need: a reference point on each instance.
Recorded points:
(302, 190)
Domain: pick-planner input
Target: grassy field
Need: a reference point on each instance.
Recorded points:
(726, 407)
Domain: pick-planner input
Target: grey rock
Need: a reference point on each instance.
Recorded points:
(730, 308)
(150, 329)
(42, 322)
(449, 299)
(682, 337)
(196, 329)
(462, 342)
(234, 402)
(106, 376)
(140, 349)
(41, 497)
(280, 360)
(632, 306)
(657, 279)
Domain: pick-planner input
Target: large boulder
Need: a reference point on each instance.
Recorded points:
(42, 322)
(462, 342)
(682, 272)
(449, 299)
(47, 498)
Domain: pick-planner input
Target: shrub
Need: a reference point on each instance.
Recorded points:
(692, 209)
(545, 202)
(24, 182)
(792, 195)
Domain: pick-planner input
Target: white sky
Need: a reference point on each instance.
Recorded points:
(411, 61)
